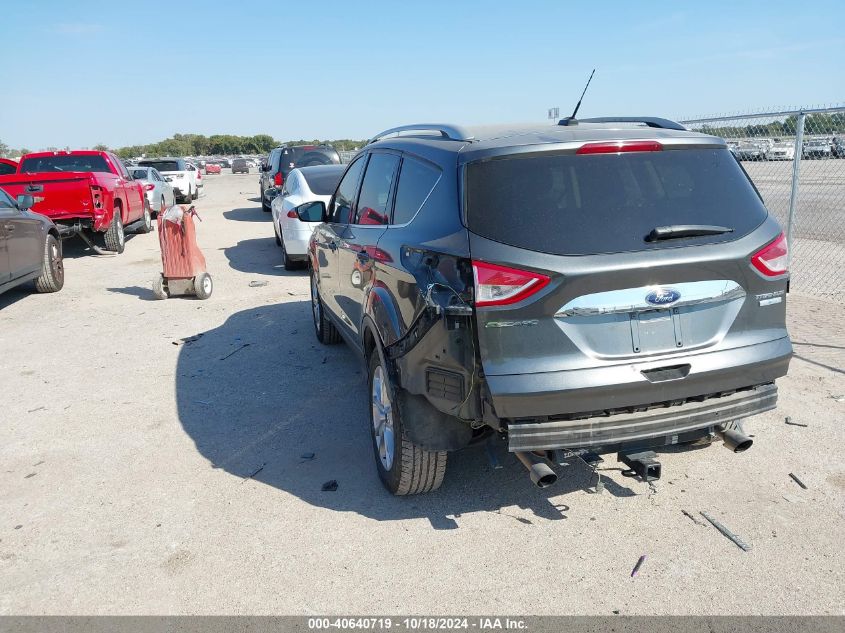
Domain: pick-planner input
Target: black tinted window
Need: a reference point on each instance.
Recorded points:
(6, 169)
(83, 162)
(416, 180)
(6, 201)
(577, 205)
(375, 189)
(322, 181)
(164, 165)
(341, 212)
(140, 174)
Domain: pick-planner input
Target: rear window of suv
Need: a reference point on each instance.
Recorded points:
(567, 204)
(163, 165)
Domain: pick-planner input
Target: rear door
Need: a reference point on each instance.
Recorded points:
(358, 255)
(23, 236)
(567, 277)
(6, 209)
(328, 236)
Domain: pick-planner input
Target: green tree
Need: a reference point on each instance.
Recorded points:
(4, 149)
(100, 147)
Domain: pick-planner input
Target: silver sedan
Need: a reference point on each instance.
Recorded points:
(159, 192)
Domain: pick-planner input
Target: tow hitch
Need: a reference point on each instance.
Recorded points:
(642, 465)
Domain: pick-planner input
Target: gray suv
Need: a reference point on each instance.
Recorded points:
(278, 164)
(596, 286)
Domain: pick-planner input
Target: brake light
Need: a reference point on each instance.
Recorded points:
(500, 286)
(149, 187)
(97, 196)
(278, 179)
(199, 175)
(292, 214)
(617, 147)
(772, 260)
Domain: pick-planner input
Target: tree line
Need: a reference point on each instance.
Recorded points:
(200, 145)
(813, 124)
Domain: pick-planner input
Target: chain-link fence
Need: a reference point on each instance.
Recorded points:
(796, 159)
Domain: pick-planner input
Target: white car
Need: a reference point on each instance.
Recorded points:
(782, 151)
(181, 174)
(303, 185)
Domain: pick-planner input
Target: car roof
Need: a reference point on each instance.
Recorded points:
(163, 158)
(473, 142)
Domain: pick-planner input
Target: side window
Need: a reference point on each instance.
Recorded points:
(293, 184)
(375, 189)
(6, 201)
(119, 168)
(156, 176)
(344, 200)
(416, 181)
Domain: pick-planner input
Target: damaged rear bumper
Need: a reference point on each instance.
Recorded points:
(641, 426)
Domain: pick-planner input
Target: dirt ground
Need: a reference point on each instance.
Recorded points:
(144, 470)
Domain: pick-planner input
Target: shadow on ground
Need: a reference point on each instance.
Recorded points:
(258, 394)
(145, 294)
(249, 214)
(259, 256)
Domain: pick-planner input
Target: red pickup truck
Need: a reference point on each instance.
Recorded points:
(83, 192)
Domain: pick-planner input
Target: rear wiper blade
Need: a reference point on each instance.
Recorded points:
(676, 231)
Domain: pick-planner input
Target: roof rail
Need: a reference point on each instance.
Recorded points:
(448, 132)
(650, 121)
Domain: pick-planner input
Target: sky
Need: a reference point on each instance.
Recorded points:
(77, 73)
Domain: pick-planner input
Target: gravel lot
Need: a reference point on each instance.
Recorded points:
(146, 471)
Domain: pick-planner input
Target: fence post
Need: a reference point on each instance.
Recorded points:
(796, 175)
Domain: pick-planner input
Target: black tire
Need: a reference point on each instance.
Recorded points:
(278, 241)
(147, 220)
(410, 469)
(325, 330)
(52, 277)
(289, 263)
(160, 288)
(188, 196)
(115, 237)
(162, 207)
(196, 194)
(203, 286)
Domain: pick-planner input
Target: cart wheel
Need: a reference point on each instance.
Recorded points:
(203, 286)
(160, 288)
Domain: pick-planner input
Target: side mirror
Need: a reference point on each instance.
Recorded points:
(311, 212)
(25, 201)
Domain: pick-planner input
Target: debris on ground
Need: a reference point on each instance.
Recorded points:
(307, 456)
(798, 481)
(235, 351)
(329, 486)
(839, 398)
(788, 420)
(639, 564)
(187, 340)
(30, 475)
(257, 284)
(692, 518)
(257, 470)
(36, 409)
(736, 539)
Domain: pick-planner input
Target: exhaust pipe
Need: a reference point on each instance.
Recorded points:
(734, 440)
(541, 474)
(93, 246)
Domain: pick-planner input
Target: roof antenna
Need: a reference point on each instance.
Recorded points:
(571, 119)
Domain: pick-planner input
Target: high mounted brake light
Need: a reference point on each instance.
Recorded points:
(278, 179)
(771, 260)
(617, 147)
(499, 285)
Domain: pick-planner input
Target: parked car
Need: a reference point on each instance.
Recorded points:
(838, 147)
(8, 166)
(30, 246)
(240, 166)
(158, 191)
(782, 151)
(747, 150)
(293, 228)
(213, 168)
(282, 159)
(225, 163)
(635, 300)
(83, 191)
(817, 148)
(177, 172)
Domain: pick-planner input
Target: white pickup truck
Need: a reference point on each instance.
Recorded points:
(183, 176)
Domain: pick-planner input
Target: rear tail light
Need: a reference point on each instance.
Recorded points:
(97, 196)
(149, 187)
(500, 286)
(278, 179)
(772, 260)
(292, 214)
(199, 175)
(616, 147)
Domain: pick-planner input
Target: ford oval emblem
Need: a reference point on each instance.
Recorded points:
(662, 296)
